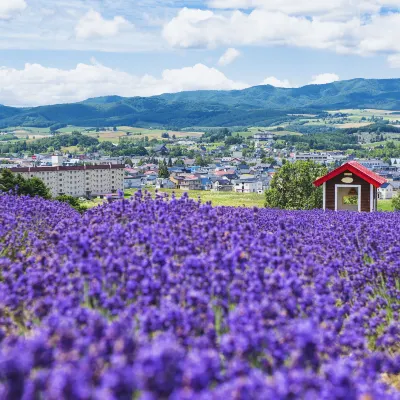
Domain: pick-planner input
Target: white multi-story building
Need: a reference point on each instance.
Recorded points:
(246, 186)
(86, 180)
(321, 158)
(263, 136)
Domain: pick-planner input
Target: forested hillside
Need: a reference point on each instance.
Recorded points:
(259, 105)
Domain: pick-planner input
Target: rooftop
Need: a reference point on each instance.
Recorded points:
(357, 169)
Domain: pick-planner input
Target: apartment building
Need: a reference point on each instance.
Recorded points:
(86, 180)
(263, 136)
(321, 158)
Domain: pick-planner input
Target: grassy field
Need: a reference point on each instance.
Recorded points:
(216, 198)
(385, 205)
(105, 135)
(257, 129)
(230, 199)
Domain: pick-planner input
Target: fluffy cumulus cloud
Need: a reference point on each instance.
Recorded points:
(37, 85)
(344, 26)
(229, 57)
(93, 25)
(324, 78)
(277, 82)
(8, 8)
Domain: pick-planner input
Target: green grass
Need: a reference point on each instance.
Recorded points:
(385, 205)
(217, 198)
(230, 199)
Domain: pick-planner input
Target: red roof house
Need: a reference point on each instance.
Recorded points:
(350, 187)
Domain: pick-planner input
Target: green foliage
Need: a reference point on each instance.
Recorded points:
(73, 202)
(292, 187)
(321, 141)
(163, 170)
(54, 143)
(373, 128)
(200, 161)
(23, 187)
(56, 127)
(7, 137)
(129, 162)
(216, 135)
(396, 203)
(231, 140)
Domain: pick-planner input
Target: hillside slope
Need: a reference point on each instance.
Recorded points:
(253, 106)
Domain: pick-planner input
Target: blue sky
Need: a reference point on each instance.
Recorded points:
(57, 51)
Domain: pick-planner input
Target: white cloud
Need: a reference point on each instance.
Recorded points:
(277, 82)
(328, 28)
(93, 25)
(229, 56)
(322, 79)
(9, 7)
(38, 85)
(199, 28)
(312, 7)
(394, 61)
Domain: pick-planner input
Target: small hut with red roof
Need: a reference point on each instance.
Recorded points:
(351, 187)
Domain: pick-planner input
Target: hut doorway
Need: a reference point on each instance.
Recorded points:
(347, 197)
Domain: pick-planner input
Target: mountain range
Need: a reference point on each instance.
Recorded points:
(259, 105)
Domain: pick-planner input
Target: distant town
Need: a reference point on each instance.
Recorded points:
(234, 163)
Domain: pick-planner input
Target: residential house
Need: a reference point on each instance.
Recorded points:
(243, 169)
(245, 185)
(163, 183)
(186, 182)
(206, 183)
(385, 192)
(137, 182)
(189, 162)
(221, 185)
(161, 150)
(373, 164)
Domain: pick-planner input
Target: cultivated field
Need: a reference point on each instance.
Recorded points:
(155, 299)
(31, 133)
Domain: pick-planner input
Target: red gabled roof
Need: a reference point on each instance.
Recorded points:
(357, 169)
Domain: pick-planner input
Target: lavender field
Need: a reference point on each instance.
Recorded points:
(172, 299)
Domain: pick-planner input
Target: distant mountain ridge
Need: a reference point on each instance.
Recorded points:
(257, 105)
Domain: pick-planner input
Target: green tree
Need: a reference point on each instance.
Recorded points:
(73, 202)
(396, 203)
(200, 161)
(23, 187)
(390, 145)
(169, 162)
(292, 186)
(163, 170)
(36, 187)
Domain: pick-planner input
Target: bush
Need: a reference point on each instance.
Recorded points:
(396, 203)
(292, 187)
(73, 202)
